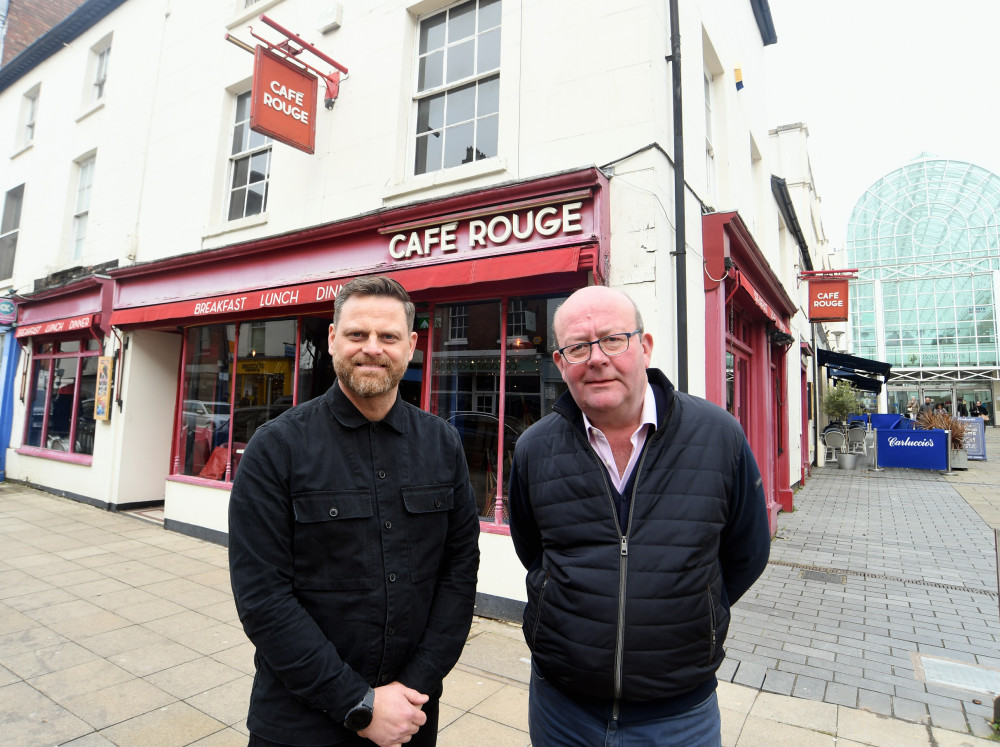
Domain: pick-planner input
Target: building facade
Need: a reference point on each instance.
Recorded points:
(926, 241)
(175, 269)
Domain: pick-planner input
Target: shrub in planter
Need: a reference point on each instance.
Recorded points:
(944, 422)
(841, 401)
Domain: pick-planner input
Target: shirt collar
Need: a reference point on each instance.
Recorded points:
(350, 417)
(648, 416)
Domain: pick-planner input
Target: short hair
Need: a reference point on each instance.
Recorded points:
(375, 285)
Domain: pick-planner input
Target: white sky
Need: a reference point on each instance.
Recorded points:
(879, 81)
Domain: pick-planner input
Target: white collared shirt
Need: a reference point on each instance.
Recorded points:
(599, 441)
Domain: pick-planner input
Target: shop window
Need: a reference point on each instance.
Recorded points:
(249, 165)
(458, 86)
(61, 405)
(235, 379)
(9, 228)
(458, 324)
(81, 210)
(466, 379)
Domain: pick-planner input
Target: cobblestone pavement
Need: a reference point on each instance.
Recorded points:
(881, 594)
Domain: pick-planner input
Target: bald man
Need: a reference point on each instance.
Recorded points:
(639, 514)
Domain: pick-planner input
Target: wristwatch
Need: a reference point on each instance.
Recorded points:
(359, 717)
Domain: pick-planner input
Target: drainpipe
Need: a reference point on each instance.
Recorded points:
(680, 241)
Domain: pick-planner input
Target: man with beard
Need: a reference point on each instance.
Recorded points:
(353, 546)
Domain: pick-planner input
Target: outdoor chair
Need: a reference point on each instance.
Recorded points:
(856, 442)
(834, 441)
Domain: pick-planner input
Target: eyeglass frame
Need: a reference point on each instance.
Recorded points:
(590, 348)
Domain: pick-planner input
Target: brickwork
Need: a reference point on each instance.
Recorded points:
(27, 20)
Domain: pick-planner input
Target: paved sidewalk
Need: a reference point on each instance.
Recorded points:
(114, 631)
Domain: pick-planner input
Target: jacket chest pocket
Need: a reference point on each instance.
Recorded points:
(334, 540)
(427, 508)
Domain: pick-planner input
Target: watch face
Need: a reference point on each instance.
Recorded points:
(358, 718)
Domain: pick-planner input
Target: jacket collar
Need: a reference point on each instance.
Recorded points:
(663, 391)
(350, 417)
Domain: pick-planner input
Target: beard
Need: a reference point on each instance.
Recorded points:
(368, 384)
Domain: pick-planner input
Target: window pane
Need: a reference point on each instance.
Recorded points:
(489, 96)
(489, 14)
(428, 153)
(431, 71)
(432, 33)
(258, 166)
(8, 248)
(241, 172)
(315, 365)
(208, 368)
(12, 210)
(465, 386)
(430, 114)
(240, 132)
(489, 51)
(257, 140)
(462, 21)
(486, 137)
(83, 440)
(256, 194)
(461, 104)
(460, 61)
(458, 147)
(39, 388)
(237, 201)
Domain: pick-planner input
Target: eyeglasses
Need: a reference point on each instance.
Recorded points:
(579, 352)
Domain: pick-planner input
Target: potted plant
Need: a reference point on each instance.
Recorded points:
(945, 422)
(839, 403)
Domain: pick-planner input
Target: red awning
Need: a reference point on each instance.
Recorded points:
(419, 278)
(58, 326)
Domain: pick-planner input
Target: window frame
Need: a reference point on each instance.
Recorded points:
(81, 203)
(445, 90)
(10, 227)
(256, 145)
(34, 364)
(27, 128)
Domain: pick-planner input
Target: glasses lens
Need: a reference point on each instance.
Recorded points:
(577, 353)
(614, 344)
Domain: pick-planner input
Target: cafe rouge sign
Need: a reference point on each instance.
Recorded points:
(283, 102)
(499, 230)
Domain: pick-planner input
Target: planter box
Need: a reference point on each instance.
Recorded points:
(959, 459)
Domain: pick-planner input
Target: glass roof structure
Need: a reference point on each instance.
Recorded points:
(926, 241)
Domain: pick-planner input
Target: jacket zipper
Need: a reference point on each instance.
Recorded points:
(538, 613)
(711, 621)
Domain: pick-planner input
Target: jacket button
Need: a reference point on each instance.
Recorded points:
(388, 525)
(392, 577)
(391, 631)
(381, 473)
(437, 503)
(334, 512)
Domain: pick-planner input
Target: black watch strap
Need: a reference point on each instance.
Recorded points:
(359, 717)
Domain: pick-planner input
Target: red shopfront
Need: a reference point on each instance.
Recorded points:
(747, 338)
(63, 330)
(486, 270)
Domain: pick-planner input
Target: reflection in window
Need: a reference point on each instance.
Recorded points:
(466, 381)
(315, 364)
(208, 368)
(61, 407)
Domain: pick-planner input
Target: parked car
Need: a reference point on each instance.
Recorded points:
(199, 414)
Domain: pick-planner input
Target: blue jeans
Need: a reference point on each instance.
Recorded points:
(556, 720)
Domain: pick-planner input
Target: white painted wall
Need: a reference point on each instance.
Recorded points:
(583, 82)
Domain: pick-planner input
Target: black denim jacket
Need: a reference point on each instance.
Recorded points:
(353, 549)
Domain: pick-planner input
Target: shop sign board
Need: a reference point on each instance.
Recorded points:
(8, 311)
(283, 102)
(975, 438)
(828, 299)
(502, 229)
(913, 449)
(56, 326)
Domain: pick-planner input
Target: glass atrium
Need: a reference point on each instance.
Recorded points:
(926, 241)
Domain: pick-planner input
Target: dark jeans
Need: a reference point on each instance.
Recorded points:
(426, 737)
(556, 720)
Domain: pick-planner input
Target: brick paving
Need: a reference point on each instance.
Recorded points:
(872, 571)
